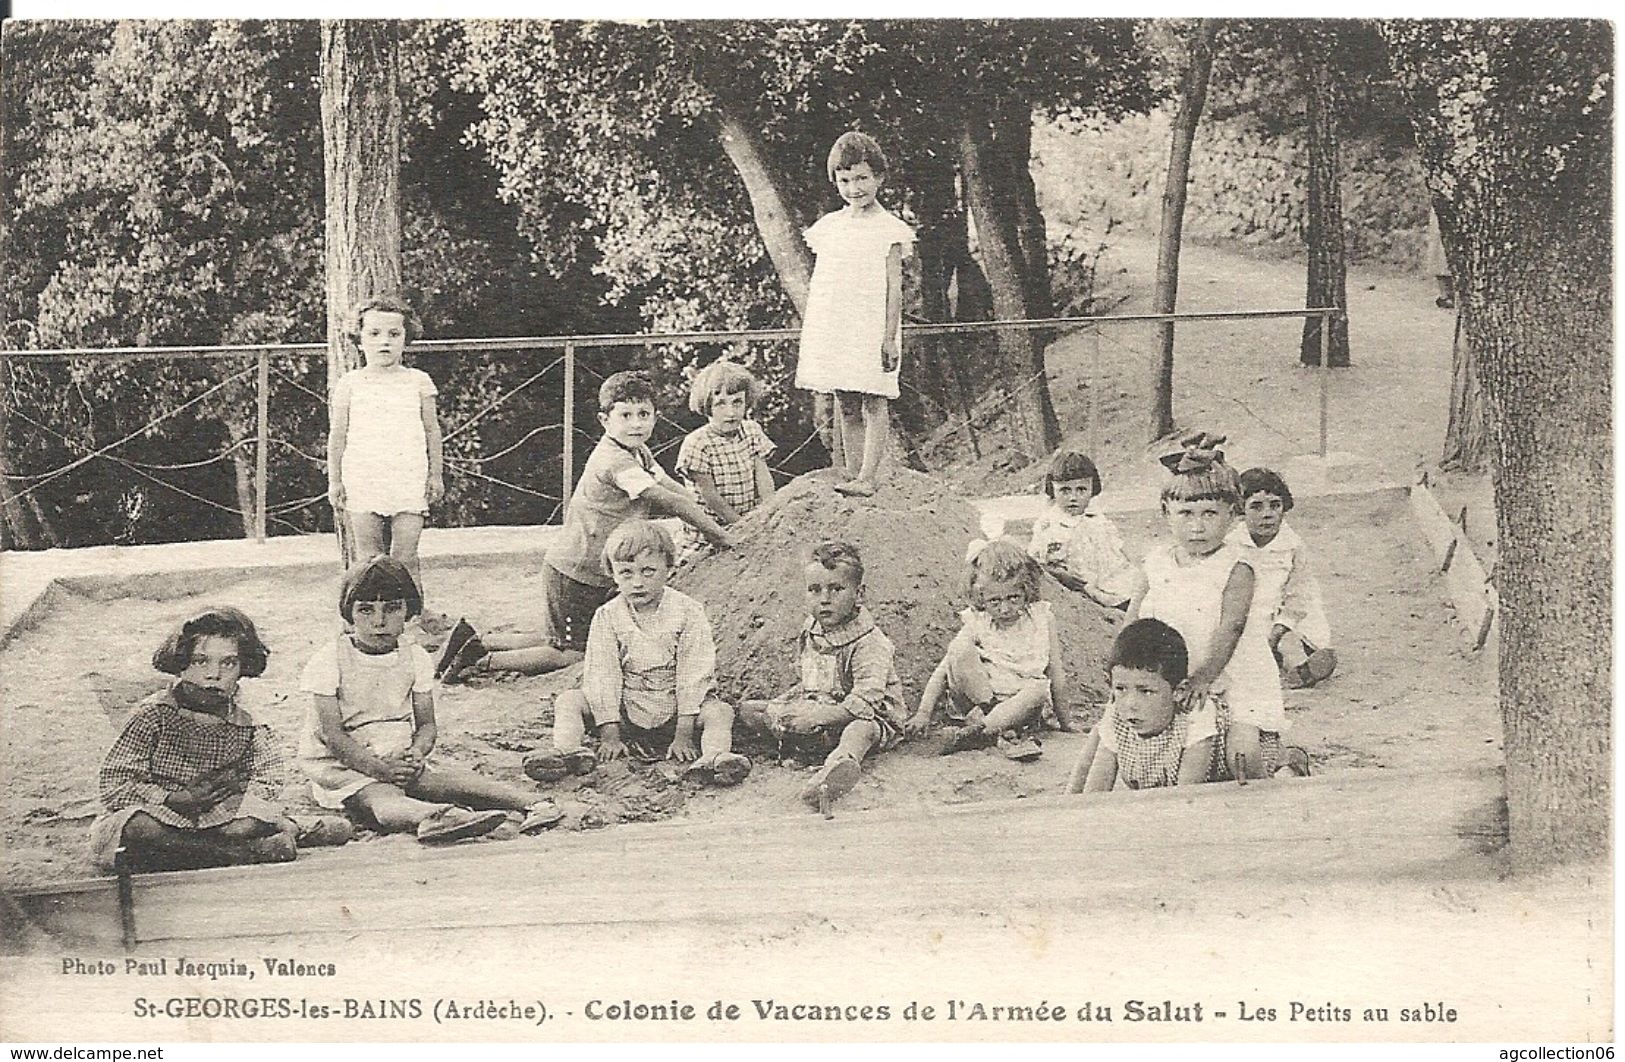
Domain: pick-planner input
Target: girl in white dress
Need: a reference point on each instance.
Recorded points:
(1002, 671)
(1202, 586)
(383, 447)
(852, 334)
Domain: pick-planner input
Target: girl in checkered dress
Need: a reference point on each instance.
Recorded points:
(192, 780)
(725, 461)
(1148, 738)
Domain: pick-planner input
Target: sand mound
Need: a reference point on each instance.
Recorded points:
(912, 535)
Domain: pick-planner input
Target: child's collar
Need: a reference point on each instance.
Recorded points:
(847, 633)
(232, 714)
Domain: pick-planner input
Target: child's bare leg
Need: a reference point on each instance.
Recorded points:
(876, 435)
(570, 718)
(404, 531)
(534, 661)
(716, 729)
(1243, 740)
(825, 416)
(851, 408)
(498, 643)
(1020, 708)
(967, 676)
(369, 532)
(456, 785)
(392, 809)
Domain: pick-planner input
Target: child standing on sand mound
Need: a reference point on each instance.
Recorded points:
(849, 695)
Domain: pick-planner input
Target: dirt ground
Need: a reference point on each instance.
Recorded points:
(1409, 694)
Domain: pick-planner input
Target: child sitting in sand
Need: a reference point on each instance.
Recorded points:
(1148, 738)
(1202, 586)
(191, 781)
(725, 461)
(849, 695)
(371, 725)
(621, 482)
(649, 681)
(1081, 549)
(1287, 597)
(1003, 669)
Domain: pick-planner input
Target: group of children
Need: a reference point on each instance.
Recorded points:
(1195, 693)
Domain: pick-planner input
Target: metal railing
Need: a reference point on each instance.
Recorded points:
(568, 345)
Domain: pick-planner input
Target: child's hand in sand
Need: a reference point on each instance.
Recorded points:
(610, 745)
(401, 768)
(917, 724)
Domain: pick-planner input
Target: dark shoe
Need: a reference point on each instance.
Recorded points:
(277, 848)
(724, 769)
(1445, 302)
(540, 815)
(856, 488)
(551, 765)
(1019, 749)
(471, 652)
(455, 641)
(322, 831)
(1297, 762)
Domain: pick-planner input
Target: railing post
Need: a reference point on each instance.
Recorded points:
(261, 457)
(1325, 375)
(569, 426)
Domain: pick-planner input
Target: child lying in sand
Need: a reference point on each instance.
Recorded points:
(849, 696)
(649, 682)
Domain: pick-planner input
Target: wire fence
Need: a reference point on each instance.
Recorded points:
(1127, 338)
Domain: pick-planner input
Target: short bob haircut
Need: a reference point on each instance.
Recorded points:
(723, 377)
(1003, 559)
(835, 555)
(629, 385)
(1069, 465)
(383, 578)
(1217, 482)
(1151, 645)
(175, 655)
(852, 148)
(384, 304)
(638, 536)
(1265, 480)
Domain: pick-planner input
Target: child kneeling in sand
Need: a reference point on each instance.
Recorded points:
(849, 695)
(649, 681)
(1003, 669)
(371, 725)
(1148, 737)
(1287, 595)
(191, 781)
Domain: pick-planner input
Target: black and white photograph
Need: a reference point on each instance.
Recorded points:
(710, 530)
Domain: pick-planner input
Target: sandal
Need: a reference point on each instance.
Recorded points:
(724, 769)
(551, 765)
(459, 637)
(540, 815)
(322, 831)
(1019, 749)
(455, 824)
(830, 782)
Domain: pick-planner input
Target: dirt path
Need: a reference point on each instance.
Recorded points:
(1243, 377)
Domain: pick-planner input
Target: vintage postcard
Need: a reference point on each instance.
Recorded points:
(700, 531)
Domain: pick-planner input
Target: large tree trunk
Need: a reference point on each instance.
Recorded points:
(1466, 442)
(1015, 144)
(776, 219)
(1033, 428)
(1524, 207)
(1192, 98)
(361, 149)
(1328, 270)
(242, 474)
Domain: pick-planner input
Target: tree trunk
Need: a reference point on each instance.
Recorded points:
(1328, 269)
(14, 530)
(361, 150)
(1033, 428)
(1524, 197)
(776, 220)
(242, 469)
(1015, 149)
(1466, 442)
(1192, 97)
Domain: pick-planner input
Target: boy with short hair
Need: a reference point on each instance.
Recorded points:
(621, 481)
(649, 683)
(849, 695)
